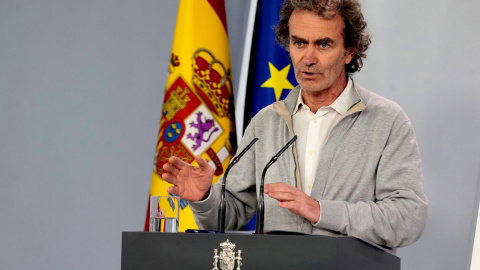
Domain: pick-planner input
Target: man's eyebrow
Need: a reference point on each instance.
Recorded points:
(326, 40)
(295, 38)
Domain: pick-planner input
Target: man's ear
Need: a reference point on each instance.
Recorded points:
(349, 54)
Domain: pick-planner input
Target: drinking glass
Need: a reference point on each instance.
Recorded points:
(164, 213)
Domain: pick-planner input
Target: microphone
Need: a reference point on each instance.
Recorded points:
(222, 208)
(261, 201)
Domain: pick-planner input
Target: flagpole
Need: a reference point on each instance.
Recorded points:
(242, 86)
(475, 234)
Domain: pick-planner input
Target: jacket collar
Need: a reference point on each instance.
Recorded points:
(291, 100)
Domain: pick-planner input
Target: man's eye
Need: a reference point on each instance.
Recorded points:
(298, 43)
(323, 45)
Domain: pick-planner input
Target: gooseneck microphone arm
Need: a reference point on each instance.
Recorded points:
(222, 207)
(261, 203)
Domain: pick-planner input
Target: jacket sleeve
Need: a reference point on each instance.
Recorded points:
(397, 216)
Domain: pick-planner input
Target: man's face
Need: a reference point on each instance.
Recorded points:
(318, 52)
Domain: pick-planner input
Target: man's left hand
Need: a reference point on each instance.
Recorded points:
(295, 200)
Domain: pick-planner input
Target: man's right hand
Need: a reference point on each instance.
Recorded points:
(189, 182)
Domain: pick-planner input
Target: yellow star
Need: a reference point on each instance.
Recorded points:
(278, 80)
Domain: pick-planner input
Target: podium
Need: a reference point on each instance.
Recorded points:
(149, 250)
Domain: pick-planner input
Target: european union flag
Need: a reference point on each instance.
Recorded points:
(271, 75)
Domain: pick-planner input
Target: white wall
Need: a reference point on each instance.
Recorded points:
(81, 89)
(424, 56)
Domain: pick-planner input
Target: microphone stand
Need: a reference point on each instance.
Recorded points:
(222, 208)
(261, 202)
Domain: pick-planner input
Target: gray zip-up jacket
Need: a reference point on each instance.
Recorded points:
(369, 181)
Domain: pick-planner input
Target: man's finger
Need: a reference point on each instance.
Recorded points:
(282, 196)
(287, 205)
(201, 162)
(278, 187)
(167, 167)
(175, 161)
(169, 178)
(173, 190)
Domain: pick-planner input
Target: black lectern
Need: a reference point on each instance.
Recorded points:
(148, 250)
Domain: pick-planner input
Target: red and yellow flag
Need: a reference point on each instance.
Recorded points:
(198, 114)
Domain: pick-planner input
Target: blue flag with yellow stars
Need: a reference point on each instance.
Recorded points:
(271, 75)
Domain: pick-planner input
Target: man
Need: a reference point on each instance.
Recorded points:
(355, 167)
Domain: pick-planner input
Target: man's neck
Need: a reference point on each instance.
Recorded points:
(318, 99)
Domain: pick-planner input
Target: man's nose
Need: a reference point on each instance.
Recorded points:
(310, 56)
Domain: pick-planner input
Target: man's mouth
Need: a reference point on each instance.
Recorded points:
(307, 74)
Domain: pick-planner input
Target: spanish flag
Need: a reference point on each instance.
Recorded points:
(198, 114)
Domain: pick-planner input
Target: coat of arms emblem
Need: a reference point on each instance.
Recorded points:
(227, 259)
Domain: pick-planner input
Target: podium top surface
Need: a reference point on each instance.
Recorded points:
(147, 250)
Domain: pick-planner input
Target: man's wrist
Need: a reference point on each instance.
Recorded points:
(318, 213)
(207, 194)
